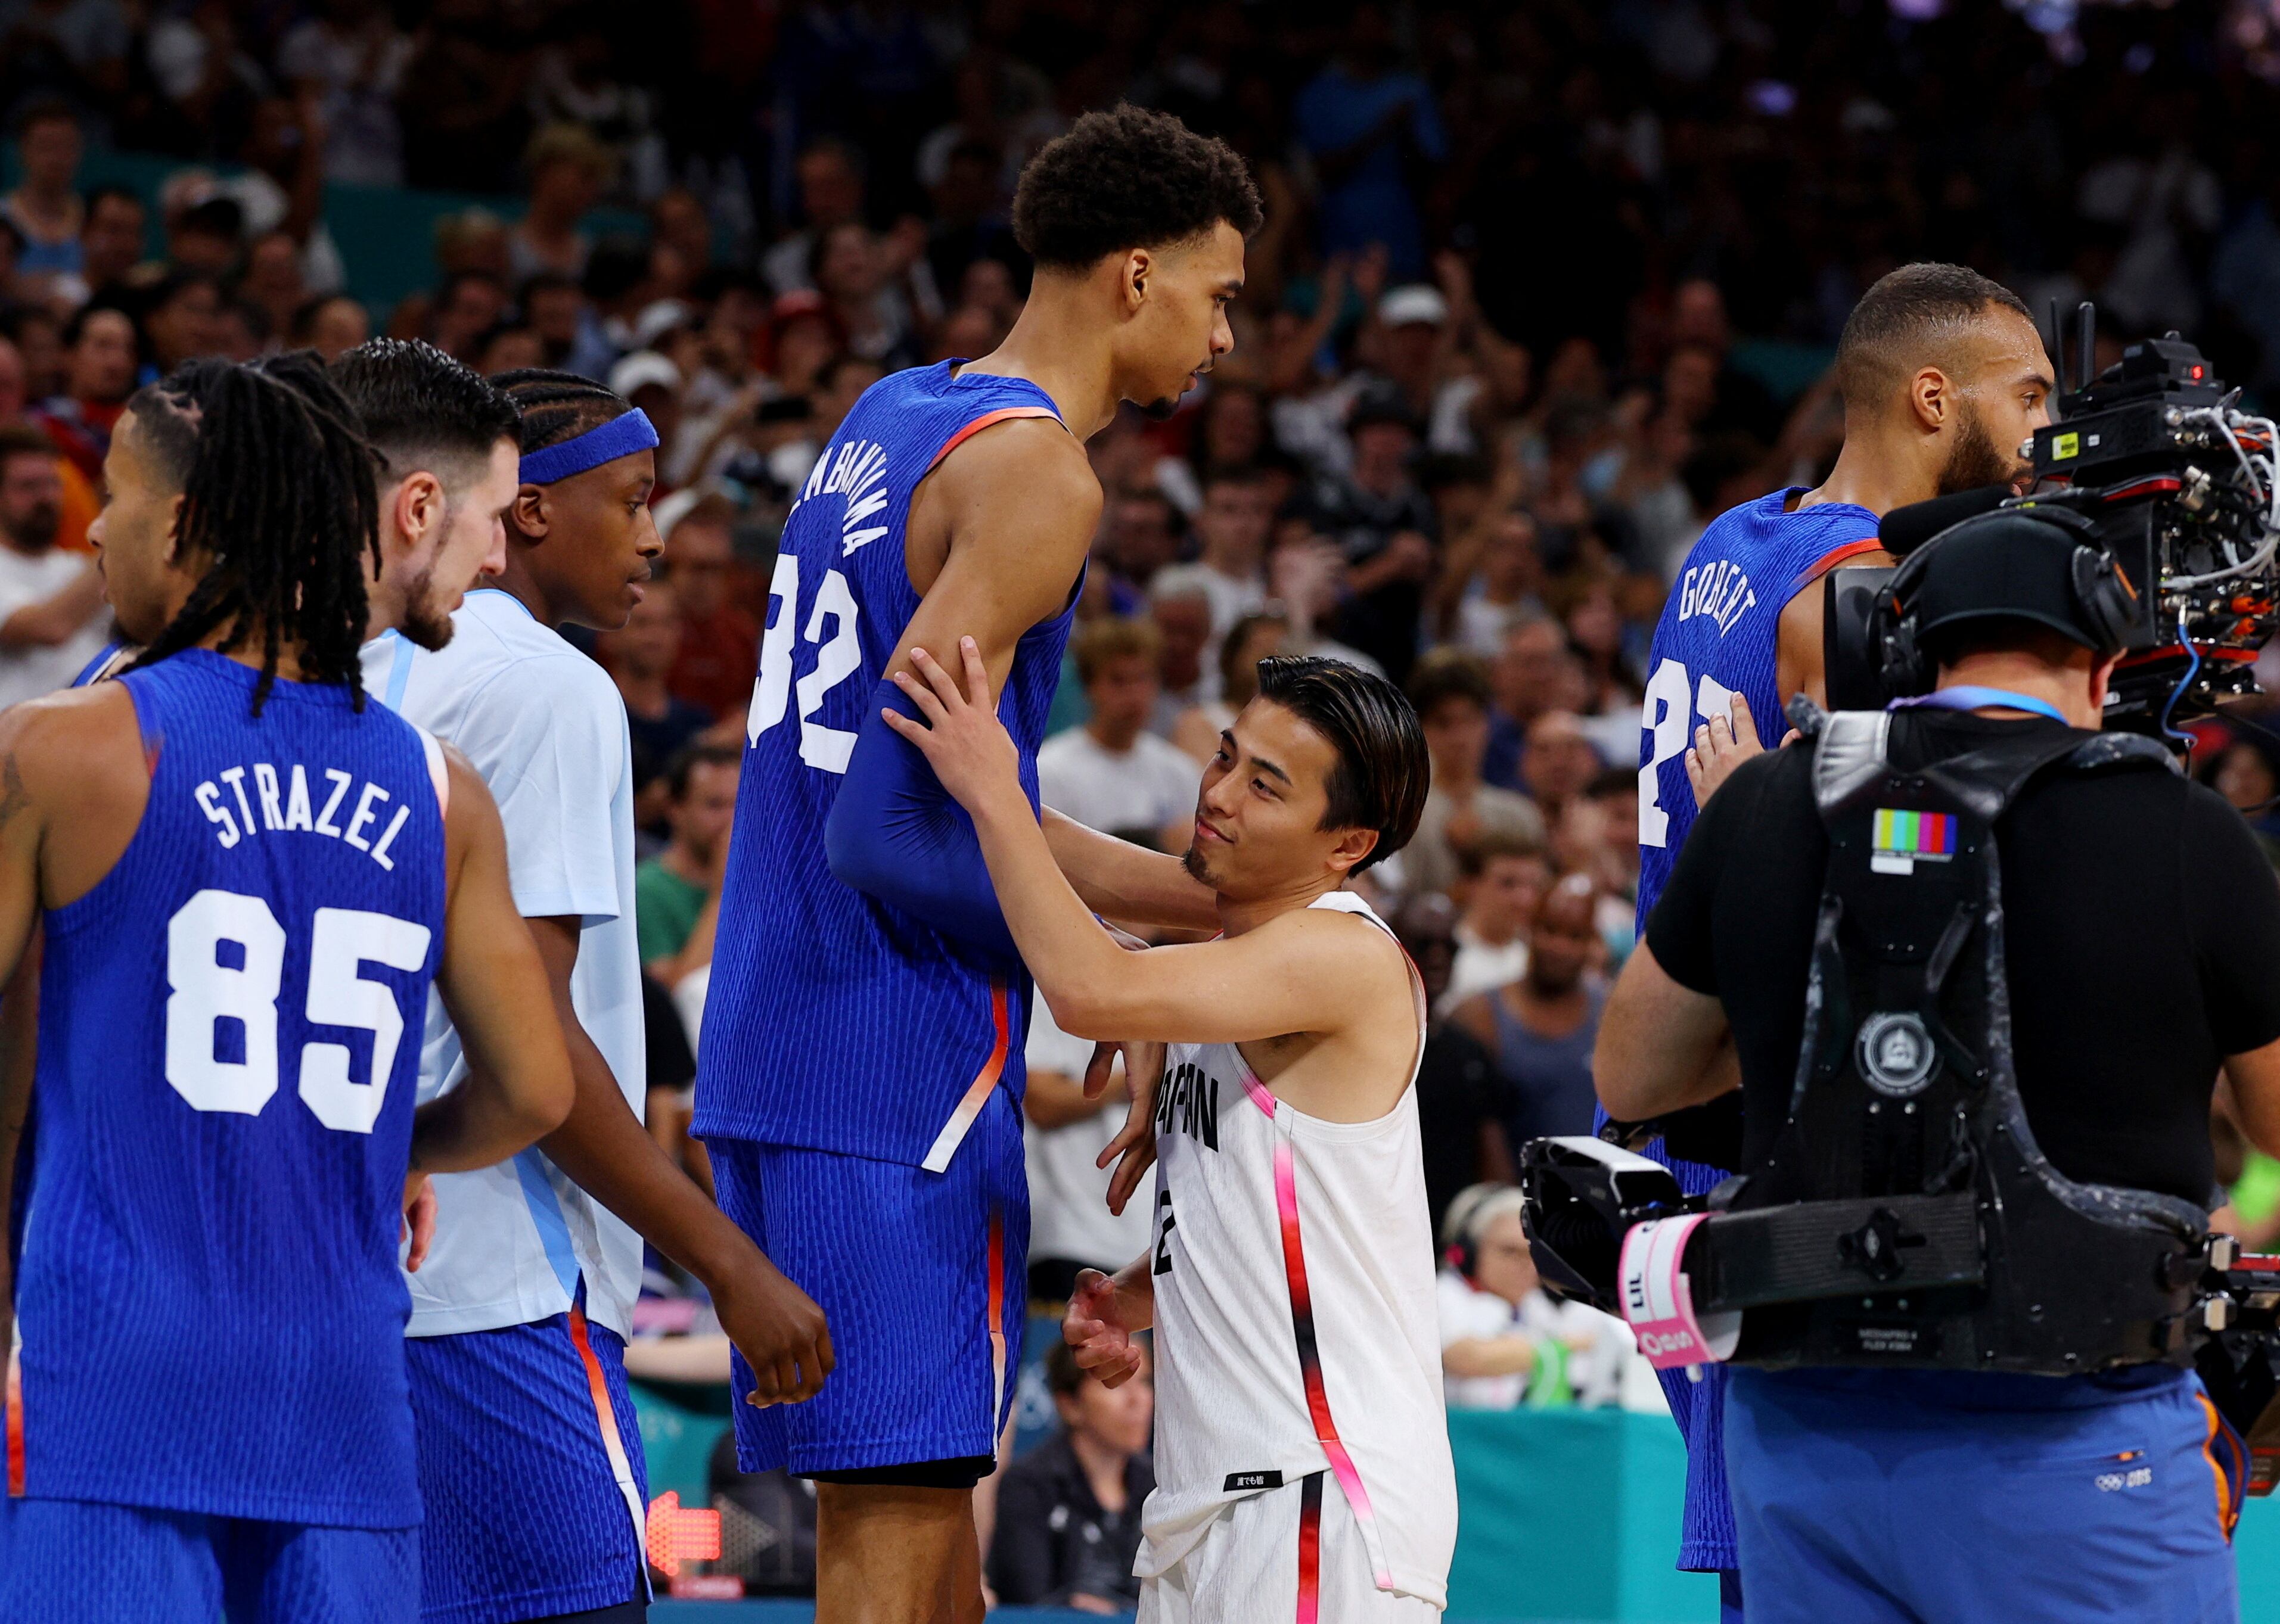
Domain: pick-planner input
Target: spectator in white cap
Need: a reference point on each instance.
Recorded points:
(1424, 346)
(652, 383)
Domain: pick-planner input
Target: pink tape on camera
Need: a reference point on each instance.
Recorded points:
(1658, 1300)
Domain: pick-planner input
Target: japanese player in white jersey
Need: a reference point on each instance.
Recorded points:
(1302, 1459)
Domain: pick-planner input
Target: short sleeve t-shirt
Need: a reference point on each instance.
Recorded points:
(1143, 789)
(2143, 932)
(1069, 1191)
(26, 579)
(665, 909)
(545, 727)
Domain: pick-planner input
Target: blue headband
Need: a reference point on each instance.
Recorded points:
(620, 437)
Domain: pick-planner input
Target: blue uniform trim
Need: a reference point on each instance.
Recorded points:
(399, 669)
(546, 1212)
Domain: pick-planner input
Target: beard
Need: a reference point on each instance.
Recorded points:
(1161, 410)
(1199, 870)
(426, 624)
(1977, 461)
(35, 531)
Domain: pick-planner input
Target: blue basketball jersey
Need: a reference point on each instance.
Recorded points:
(1716, 638)
(834, 1022)
(208, 1297)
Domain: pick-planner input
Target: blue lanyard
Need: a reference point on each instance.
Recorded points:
(1969, 697)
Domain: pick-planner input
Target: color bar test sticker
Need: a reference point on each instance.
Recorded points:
(1901, 840)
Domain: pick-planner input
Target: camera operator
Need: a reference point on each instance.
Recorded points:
(1943, 373)
(2139, 934)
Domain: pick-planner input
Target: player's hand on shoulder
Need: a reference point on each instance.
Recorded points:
(1097, 1331)
(778, 1328)
(961, 738)
(1723, 744)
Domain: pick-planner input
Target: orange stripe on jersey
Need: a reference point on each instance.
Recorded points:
(985, 420)
(12, 1401)
(605, 1414)
(1835, 556)
(977, 1093)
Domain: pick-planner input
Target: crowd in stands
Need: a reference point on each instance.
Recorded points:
(1489, 383)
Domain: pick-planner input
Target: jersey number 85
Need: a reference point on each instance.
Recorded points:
(205, 991)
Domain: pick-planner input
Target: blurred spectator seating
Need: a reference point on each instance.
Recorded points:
(1068, 1512)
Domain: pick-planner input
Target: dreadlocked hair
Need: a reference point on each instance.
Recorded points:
(277, 496)
(558, 405)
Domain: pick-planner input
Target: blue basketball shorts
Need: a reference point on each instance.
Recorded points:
(530, 1467)
(1939, 1497)
(90, 1562)
(922, 1277)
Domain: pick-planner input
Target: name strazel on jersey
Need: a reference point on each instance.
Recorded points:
(1188, 1103)
(1718, 589)
(290, 804)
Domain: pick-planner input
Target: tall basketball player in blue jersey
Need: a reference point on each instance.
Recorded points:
(860, 1079)
(1943, 375)
(247, 880)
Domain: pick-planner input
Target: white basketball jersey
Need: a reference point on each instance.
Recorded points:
(1295, 1330)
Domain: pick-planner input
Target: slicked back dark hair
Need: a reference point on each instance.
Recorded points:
(558, 405)
(421, 409)
(1124, 178)
(278, 498)
(1910, 318)
(1382, 770)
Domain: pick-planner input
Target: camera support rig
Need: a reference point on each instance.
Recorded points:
(1586, 1197)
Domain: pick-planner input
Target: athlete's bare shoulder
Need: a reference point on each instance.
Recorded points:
(1028, 447)
(1025, 471)
(999, 532)
(1798, 632)
(74, 733)
(1356, 969)
(75, 762)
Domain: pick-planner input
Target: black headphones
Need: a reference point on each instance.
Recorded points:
(1461, 1226)
(2102, 594)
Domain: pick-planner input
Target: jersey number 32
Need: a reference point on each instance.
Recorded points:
(835, 660)
(205, 991)
(1664, 720)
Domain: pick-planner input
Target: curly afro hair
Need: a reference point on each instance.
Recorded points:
(1129, 178)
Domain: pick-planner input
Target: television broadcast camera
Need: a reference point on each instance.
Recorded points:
(2178, 484)
(1588, 1202)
